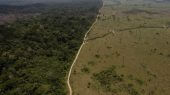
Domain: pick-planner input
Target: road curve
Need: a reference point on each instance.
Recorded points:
(84, 42)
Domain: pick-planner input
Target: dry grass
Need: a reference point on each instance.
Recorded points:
(141, 56)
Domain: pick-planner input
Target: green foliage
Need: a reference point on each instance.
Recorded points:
(85, 70)
(97, 56)
(36, 53)
(107, 77)
(140, 82)
(91, 63)
(110, 81)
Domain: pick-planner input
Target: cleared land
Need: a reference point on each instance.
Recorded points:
(128, 51)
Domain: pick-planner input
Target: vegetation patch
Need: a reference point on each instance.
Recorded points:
(137, 11)
(91, 63)
(85, 69)
(110, 81)
(97, 56)
(108, 77)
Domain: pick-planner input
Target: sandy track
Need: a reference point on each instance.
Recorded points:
(77, 55)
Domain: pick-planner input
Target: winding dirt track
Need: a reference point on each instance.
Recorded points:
(84, 42)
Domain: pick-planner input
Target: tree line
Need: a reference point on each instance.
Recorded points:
(36, 53)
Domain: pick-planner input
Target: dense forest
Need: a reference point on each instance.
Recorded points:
(31, 8)
(36, 53)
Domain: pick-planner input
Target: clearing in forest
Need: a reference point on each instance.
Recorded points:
(127, 51)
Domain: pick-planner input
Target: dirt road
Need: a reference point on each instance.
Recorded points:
(77, 55)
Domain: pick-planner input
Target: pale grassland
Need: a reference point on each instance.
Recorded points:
(138, 46)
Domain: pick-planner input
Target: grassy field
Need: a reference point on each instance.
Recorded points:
(128, 51)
